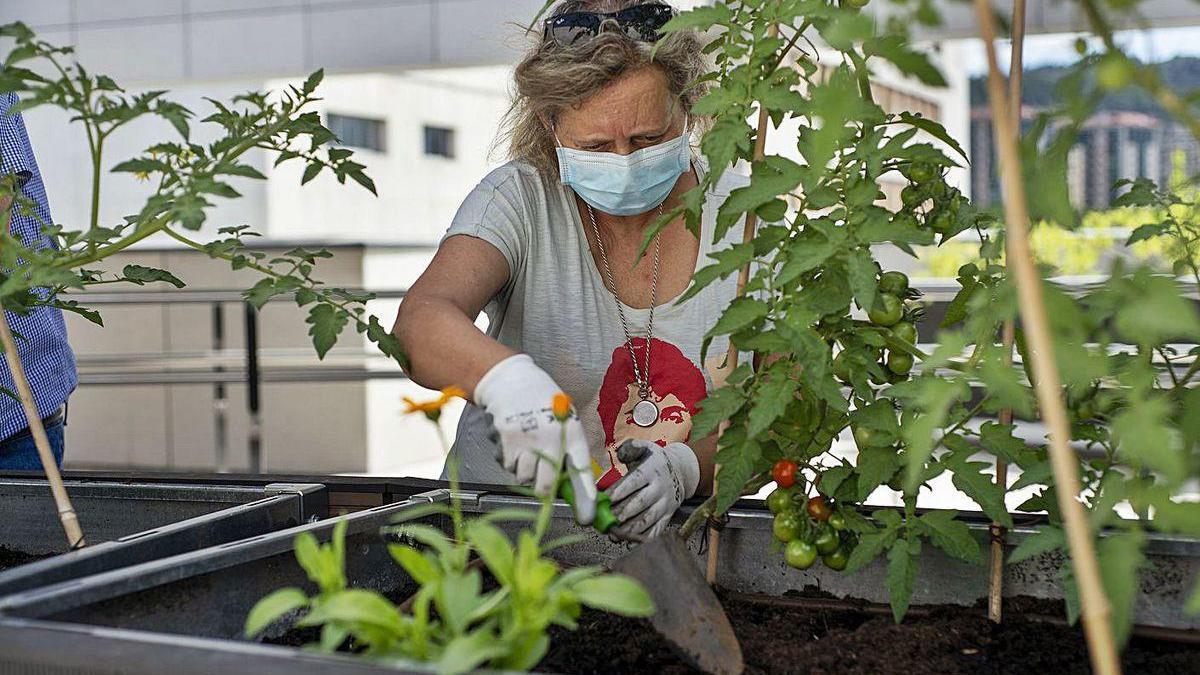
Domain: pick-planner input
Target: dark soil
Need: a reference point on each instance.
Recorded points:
(784, 638)
(10, 558)
(779, 639)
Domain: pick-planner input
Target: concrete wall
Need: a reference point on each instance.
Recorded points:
(226, 39)
(308, 427)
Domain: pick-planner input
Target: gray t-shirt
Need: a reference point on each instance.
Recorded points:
(556, 308)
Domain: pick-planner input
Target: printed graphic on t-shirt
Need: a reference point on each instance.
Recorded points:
(677, 387)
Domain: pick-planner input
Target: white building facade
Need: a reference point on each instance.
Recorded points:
(421, 102)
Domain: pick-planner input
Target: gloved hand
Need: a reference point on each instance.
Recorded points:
(659, 479)
(516, 394)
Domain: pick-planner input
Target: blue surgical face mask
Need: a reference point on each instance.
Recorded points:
(625, 185)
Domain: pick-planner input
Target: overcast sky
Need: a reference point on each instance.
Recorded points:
(1148, 45)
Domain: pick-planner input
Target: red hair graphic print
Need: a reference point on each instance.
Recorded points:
(676, 385)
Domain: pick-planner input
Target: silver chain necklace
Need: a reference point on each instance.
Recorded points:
(645, 411)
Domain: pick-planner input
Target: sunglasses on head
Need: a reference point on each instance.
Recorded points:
(640, 22)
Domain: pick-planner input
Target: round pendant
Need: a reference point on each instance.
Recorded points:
(645, 413)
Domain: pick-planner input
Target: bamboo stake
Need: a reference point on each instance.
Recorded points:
(1015, 78)
(731, 357)
(66, 512)
(1095, 607)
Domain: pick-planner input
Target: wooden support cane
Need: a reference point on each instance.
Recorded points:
(1015, 78)
(1095, 608)
(66, 512)
(731, 357)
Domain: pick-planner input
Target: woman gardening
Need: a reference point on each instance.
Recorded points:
(599, 138)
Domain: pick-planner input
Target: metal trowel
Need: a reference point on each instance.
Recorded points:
(688, 615)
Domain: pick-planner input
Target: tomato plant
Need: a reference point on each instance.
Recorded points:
(187, 178)
(835, 335)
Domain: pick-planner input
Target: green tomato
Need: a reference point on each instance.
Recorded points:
(899, 362)
(780, 500)
(836, 560)
(942, 221)
(864, 437)
(921, 172)
(841, 367)
(826, 541)
(1114, 72)
(888, 311)
(905, 332)
(912, 195)
(893, 282)
(906, 220)
(855, 4)
(800, 554)
(837, 521)
(787, 526)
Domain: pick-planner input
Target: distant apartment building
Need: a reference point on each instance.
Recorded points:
(1113, 145)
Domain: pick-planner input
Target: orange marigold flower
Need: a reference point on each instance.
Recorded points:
(561, 406)
(433, 408)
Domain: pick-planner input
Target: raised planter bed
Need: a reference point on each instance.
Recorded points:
(184, 614)
(130, 523)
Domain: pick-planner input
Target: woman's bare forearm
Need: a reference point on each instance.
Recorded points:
(443, 345)
(706, 453)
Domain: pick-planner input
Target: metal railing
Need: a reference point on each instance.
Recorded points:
(222, 366)
(218, 366)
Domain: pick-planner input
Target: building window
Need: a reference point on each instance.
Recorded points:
(357, 132)
(439, 142)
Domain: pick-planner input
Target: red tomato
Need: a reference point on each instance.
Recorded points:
(819, 509)
(784, 473)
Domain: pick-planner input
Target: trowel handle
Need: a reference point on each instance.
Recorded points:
(604, 520)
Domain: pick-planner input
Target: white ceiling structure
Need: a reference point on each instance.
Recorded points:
(170, 41)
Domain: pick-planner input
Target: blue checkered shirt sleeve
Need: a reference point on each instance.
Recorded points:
(47, 357)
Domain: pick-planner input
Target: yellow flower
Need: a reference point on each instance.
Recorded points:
(561, 406)
(433, 409)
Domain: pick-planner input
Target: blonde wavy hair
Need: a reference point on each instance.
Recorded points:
(551, 78)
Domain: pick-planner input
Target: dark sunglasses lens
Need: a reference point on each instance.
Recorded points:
(645, 22)
(568, 29)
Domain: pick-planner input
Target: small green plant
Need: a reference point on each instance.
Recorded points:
(453, 620)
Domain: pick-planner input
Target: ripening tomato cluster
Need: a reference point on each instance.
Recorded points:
(929, 194)
(889, 312)
(807, 526)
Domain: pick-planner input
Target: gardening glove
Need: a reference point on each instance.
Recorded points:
(658, 481)
(517, 395)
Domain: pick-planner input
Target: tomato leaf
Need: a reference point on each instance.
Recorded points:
(980, 487)
(952, 535)
(719, 406)
(742, 312)
(861, 268)
(870, 546)
(1047, 538)
(902, 574)
(1121, 558)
